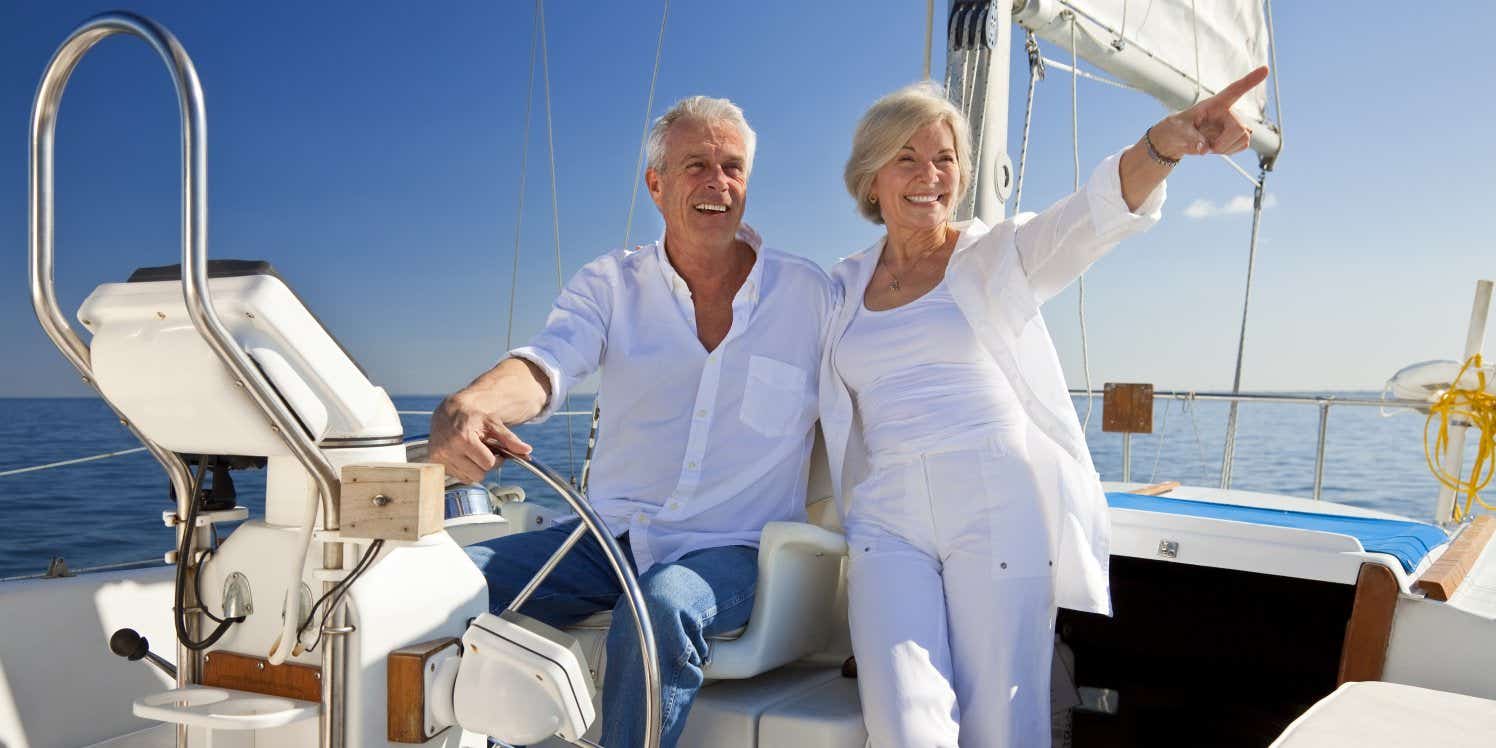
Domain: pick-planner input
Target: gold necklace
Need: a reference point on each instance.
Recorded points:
(894, 284)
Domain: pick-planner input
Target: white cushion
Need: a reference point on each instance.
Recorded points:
(1373, 714)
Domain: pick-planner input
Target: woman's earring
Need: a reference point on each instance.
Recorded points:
(872, 199)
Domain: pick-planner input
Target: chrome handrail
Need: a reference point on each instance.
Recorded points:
(195, 291)
(1322, 401)
(41, 238)
(1271, 397)
(642, 625)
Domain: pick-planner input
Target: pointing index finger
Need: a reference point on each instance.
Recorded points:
(1239, 88)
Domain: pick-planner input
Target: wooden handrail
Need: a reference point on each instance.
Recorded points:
(1444, 576)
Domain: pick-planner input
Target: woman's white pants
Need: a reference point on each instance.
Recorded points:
(951, 603)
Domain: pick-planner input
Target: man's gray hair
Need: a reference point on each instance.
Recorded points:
(699, 109)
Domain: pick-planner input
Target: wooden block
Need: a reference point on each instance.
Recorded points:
(1157, 489)
(391, 501)
(1127, 408)
(406, 689)
(1370, 628)
(1444, 576)
(255, 674)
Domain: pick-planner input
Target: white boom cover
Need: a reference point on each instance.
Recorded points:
(1178, 51)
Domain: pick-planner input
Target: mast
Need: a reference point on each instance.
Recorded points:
(978, 35)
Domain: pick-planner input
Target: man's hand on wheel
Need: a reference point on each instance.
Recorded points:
(466, 438)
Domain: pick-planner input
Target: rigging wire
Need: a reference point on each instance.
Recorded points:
(524, 160)
(654, 76)
(1085, 348)
(1241, 340)
(1272, 52)
(1192, 405)
(550, 137)
(1239, 170)
(1062, 67)
(1163, 431)
(1036, 74)
(628, 224)
(75, 461)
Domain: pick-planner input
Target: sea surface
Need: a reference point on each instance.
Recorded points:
(109, 511)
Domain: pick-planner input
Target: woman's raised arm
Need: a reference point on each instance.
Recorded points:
(1207, 127)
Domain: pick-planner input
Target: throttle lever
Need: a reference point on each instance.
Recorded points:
(129, 644)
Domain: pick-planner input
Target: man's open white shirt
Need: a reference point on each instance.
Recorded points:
(694, 449)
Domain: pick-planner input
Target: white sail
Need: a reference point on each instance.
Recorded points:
(1178, 51)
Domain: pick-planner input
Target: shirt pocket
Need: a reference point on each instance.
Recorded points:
(774, 396)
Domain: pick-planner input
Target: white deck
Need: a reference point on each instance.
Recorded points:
(810, 706)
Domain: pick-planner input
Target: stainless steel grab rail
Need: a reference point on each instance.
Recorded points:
(195, 293)
(41, 243)
(1322, 401)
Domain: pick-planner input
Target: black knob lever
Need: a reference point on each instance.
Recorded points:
(129, 644)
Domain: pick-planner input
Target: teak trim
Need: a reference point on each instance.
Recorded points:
(1127, 408)
(1157, 489)
(1444, 576)
(224, 669)
(406, 689)
(1370, 627)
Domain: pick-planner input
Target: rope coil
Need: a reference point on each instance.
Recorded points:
(1463, 406)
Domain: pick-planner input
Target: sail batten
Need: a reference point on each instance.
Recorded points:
(1178, 51)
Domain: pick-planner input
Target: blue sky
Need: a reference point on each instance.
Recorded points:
(371, 151)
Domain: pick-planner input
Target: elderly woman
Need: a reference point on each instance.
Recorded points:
(969, 499)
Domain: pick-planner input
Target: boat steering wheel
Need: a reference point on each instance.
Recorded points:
(622, 571)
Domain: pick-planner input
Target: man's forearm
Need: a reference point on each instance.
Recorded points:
(514, 391)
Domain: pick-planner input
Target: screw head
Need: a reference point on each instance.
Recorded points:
(381, 500)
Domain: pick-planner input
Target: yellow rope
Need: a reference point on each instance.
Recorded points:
(1477, 408)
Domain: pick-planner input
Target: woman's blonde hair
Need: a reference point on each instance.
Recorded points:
(887, 127)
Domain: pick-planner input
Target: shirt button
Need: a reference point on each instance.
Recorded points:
(691, 465)
(675, 505)
(701, 413)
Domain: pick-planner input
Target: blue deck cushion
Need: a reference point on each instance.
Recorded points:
(1408, 541)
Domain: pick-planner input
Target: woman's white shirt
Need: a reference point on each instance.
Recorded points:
(998, 277)
(921, 371)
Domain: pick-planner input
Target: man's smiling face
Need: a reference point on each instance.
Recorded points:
(704, 183)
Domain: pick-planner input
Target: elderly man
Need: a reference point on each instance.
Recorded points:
(708, 344)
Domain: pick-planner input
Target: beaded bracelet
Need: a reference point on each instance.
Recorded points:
(1158, 158)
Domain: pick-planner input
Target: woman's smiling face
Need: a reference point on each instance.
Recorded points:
(915, 190)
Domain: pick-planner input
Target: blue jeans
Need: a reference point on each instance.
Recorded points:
(704, 593)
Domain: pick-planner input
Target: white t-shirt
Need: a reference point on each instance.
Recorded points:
(921, 380)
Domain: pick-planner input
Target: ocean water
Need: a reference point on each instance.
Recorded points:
(109, 511)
